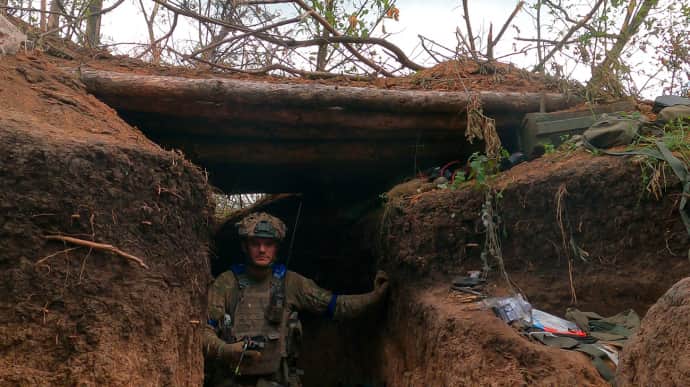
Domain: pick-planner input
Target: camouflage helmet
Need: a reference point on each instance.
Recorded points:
(261, 225)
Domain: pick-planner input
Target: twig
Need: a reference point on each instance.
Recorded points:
(567, 36)
(162, 38)
(349, 47)
(40, 261)
(276, 67)
(97, 246)
(517, 9)
(247, 34)
(81, 18)
(170, 191)
(560, 194)
(470, 38)
(399, 54)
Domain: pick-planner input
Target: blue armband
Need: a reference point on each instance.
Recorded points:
(213, 323)
(238, 269)
(330, 311)
(279, 271)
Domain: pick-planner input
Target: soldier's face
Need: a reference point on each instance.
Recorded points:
(261, 251)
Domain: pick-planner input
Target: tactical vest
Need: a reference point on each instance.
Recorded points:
(261, 315)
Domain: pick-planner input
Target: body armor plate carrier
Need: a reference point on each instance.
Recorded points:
(260, 314)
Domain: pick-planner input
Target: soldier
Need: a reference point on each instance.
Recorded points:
(253, 333)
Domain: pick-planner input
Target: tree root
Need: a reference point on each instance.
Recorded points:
(98, 246)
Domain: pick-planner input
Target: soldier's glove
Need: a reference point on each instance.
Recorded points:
(381, 283)
(231, 352)
(350, 306)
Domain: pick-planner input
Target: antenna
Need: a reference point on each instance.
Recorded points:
(294, 232)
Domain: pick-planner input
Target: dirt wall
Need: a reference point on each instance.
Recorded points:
(72, 315)
(659, 353)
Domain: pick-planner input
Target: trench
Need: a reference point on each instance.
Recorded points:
(326, 249)
(423, 237)
(422, 337)
(96, 319)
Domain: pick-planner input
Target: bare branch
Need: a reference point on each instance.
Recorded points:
(251, 33)
(517, 9)
(277, 67)
(333, 31)
(473, 50)
(82, 17)
(260, 2)
(567, 36)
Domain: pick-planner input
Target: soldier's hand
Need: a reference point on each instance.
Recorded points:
(381, 282)
(232, 352)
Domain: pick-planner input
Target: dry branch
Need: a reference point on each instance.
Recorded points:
(82, 17)
(470, 37)
(349, 47)
(97, 246)
(337, 37)
(517, 9)
(567, 36)
(65, 251)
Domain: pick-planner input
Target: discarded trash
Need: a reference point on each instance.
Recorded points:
(510, 309)
(472, 285)
(511, 161)
(556, 325)
(468, 281)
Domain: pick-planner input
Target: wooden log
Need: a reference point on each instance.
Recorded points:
(160, 127)
(258, 116)
(309, 154)
(300, 95)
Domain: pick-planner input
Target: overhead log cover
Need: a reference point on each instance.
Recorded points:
(264, 136)
(301, 95)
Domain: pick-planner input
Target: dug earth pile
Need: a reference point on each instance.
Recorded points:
(633, 248)
(659, 355)
(73, 314)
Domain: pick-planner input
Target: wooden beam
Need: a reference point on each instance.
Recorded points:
(242, 93)
(319, 153)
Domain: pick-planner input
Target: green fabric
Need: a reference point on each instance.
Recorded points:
(605, 336)
(559, 342)
(612, 131)
(614, 328)
(597, 356)
(674, 112)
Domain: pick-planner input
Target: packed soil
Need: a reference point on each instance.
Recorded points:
(634, 247)
(659, 353)
(76, 315)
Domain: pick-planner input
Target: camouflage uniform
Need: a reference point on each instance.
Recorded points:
(232, 291)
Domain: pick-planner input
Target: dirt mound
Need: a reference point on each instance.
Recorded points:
(74, 315)
(468, 74)
(659, 354)
(441, 342)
